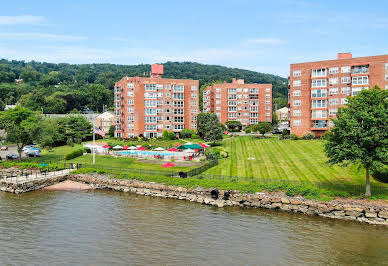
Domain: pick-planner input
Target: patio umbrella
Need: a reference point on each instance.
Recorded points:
(117, 147)
(190, 146)
(138, 146)
(141, 149)
(168, 165)
(203, 145)
(106, 146)
(126, 148)
(177, 144)
(159, 149)
(189, 150)
(43, 164)
(132, 148)
(173, 149)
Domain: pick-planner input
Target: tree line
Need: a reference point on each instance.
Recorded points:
(62, 88)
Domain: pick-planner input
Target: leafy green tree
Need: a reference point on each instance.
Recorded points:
(187, 133)
(111, 132)
(360, 132)
(22, 126)
(263, 127)
(275, 120)
(209, 127)
(234, 125)
(2, 105)
(74, 127)
(54, 105)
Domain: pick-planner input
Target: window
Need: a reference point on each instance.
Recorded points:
(194, 110)
(150, 87)
(232, 96)
(254, 90)
(297, 102)
(267, 102)
(232, 90)
(333, 101)
(362, 80)
(319, 114)
(253, 108)
(267, 114)
(193, 95)
(179, 88)
(333, 70)
(150, 95)
(360, 69)
(319, 72)
(333, 91)
(319, 93)
(319, 124)
(179, 119)
(318, 83)
(356, 90)
(254, 115)
(179, 103)
(232, 109)
(386, 77)
(150, 111)
(386, 66)
(218, 89)
(297, 122)
(193, 125)
(151, 119)
(333, 111)
(118, 120)
(130, 93)
(246, 90)
(297, 93)
(297, 73)
(218, 102)
(178, 111)
(232, 103)
(268, 108)
(344, 100)
(345, 90)
(267, 90)
(345, 80)
(131, 118)
(131, 110)
(167, 87)
(131, 126)
(254, 121)
(218, 108)
(297, 112)
(194, 87)
(130, 102)
(117, 89)
(232, 115)
(117, 104)
(218, 96)
(254, 103)
(117, 97)
(345, 69)
(130, 86)
(297, 83)
(178, 96)
(319, 103)
(117, 112)
(267, 96)
(253, 96)
(150, 127)
(150, 103)
(333, 81)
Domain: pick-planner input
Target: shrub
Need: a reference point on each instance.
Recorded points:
(294, 137)
(195, 136)
(171, 136)
(87, 150)
(74, 154)
(70, 142)
(248, 130)
(165, 134)
(308, 136)
(78, 140)
(380, 172)
(187, 133)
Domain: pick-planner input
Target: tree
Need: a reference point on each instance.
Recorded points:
(187, 133)
(74, 127)
(209, 127)
(234, 125)
(275, 120)
(360, 132)
(263, 127)
(22, 126)
(111, 132)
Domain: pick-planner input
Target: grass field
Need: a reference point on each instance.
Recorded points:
(272, 158)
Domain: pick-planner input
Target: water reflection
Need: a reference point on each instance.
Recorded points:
(105, 227)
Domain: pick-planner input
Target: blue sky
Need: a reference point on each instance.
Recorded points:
(264, 36)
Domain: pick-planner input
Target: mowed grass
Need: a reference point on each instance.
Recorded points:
(271, 158)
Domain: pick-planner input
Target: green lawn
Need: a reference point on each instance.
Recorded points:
(272, 158)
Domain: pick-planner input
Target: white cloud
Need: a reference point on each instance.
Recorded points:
(272, 41)
(44, 36)
(20, 20)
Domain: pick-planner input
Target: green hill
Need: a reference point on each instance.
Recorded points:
(61, 88)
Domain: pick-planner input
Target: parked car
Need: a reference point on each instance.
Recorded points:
(12, 156)
(33, 153)
(30, 147)
(4, 148)
(1, 158)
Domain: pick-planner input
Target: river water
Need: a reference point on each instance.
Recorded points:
(107, 227)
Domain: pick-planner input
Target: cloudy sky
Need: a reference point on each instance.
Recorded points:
(264, 36)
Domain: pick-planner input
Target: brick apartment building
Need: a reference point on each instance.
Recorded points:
(150, 105)
(317, 89)
(247, 103)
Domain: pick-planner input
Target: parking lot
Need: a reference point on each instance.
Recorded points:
(11, 149)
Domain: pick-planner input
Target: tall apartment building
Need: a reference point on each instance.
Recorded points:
(317, 89)
(150, 105)
(247, 103)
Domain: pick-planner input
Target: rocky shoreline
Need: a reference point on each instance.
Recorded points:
(360, 211)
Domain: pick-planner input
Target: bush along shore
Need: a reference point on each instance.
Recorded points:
(355, 210)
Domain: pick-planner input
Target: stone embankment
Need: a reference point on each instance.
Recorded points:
(20, 186)
(362, 212)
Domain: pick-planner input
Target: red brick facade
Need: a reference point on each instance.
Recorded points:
(317, 89)
(247, 103)
(150, 105)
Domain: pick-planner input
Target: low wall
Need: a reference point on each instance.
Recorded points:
(29, 185)
(365, 212)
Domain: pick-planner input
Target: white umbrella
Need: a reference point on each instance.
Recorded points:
(138, 146)
(189, 150)
(132, 148)
(117, 147)
(159, 149)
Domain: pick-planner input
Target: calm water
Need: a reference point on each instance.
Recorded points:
(104, 227)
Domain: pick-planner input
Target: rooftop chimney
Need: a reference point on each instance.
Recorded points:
(344, 56)
(157, 71)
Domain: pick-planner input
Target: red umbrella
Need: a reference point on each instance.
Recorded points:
(126, 148)
(168, 165)
(106, 146)
(177, 144)
(141, 149)
(173, 149)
